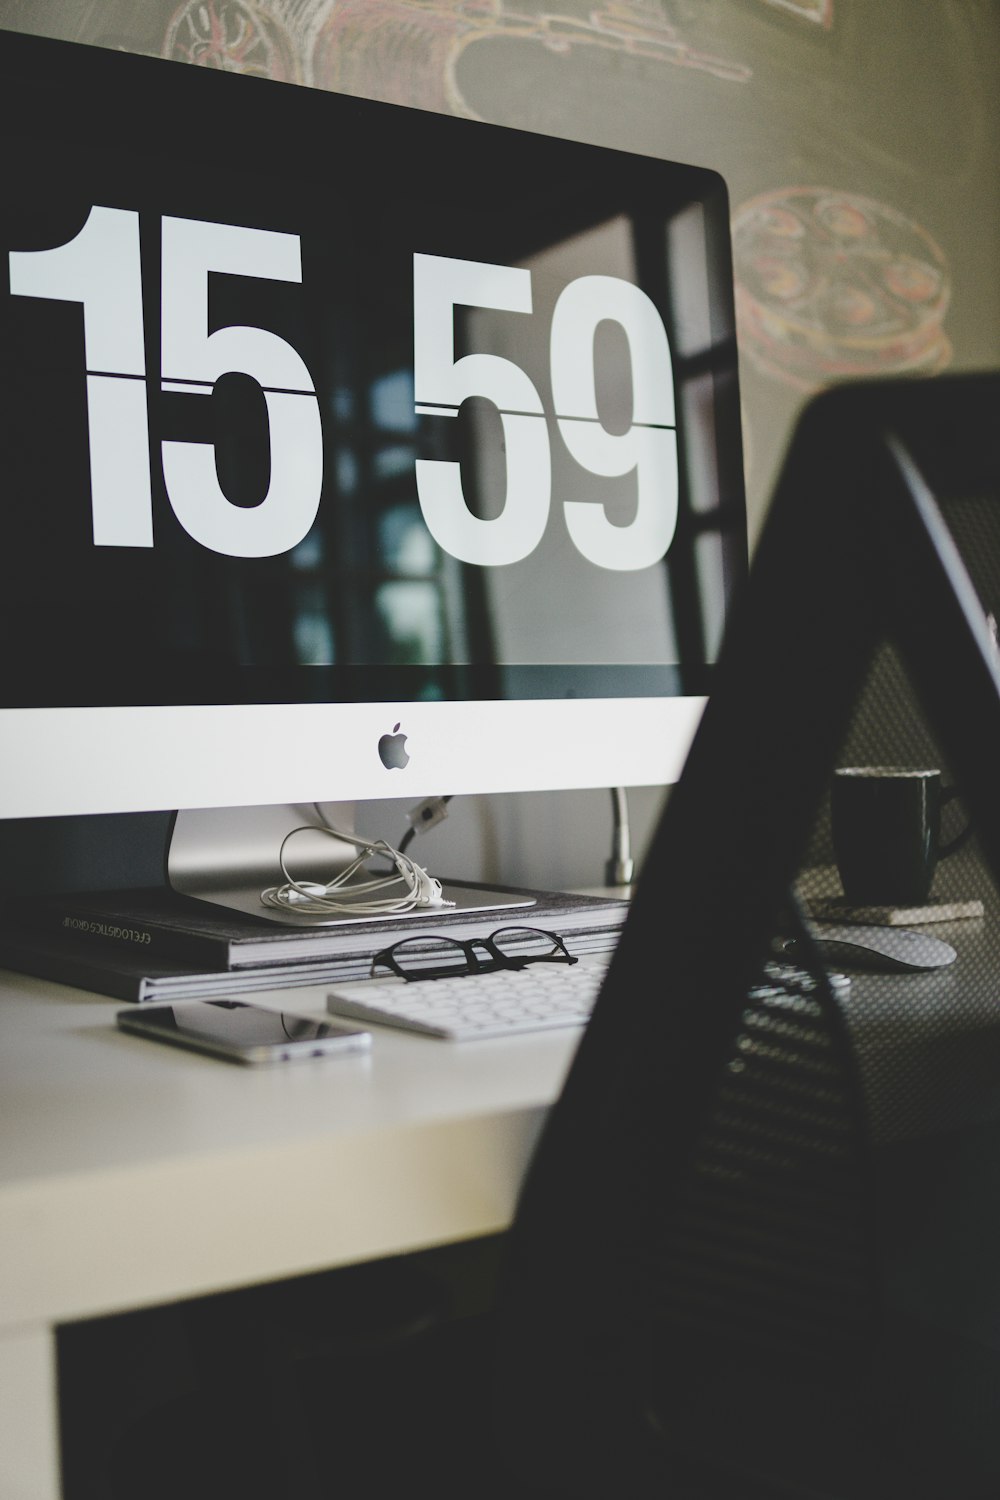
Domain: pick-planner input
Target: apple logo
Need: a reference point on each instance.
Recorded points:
(392, 750)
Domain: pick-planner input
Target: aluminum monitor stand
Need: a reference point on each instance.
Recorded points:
(228, 855)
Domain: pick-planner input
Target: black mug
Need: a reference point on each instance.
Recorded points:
(885, 822)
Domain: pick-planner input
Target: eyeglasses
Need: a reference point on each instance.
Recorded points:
(435, 957)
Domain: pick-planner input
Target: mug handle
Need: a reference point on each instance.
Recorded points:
(953, 844)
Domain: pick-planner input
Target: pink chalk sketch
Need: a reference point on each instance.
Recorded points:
(819, 12)
(831, 284)
(408, 51)
(235, 36)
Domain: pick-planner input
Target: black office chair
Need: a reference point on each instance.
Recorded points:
(718, 1283)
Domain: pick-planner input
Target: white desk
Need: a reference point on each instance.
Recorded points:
(133, 1173)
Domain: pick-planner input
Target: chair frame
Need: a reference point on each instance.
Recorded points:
(855, 550)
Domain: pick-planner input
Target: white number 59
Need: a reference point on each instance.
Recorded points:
(649, 447)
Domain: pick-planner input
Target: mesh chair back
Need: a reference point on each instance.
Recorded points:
(695, 1283)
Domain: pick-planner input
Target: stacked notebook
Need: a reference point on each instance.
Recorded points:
(153, 944)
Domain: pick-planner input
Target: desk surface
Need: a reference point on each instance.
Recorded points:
(133, 1172)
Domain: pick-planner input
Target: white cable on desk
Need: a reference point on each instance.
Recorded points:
(343, 894)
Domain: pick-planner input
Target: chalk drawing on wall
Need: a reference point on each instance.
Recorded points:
(408, 51)
(234, 36)
(832, 284)
(819, 12)
(411, 49)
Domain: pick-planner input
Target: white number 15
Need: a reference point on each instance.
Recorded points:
(100, 268)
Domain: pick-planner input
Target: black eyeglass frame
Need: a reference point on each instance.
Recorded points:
(474, 964)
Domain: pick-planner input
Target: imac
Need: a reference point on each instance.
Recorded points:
(349, 451)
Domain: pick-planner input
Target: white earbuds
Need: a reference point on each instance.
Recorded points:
(345, 894)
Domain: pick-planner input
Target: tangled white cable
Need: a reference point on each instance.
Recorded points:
(344, 893)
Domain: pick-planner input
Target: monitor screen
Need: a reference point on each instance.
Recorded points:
(349, 451)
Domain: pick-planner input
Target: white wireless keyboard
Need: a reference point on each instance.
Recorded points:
(471, 1006)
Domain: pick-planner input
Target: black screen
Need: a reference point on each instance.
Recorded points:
(305, 398)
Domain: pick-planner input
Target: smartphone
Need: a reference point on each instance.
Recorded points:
(243, 1033)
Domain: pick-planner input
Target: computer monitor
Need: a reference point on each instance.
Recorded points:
(350, 451)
